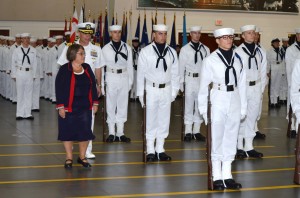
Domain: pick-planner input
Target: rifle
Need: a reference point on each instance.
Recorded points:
(297, 166)
(144, 130)
(104, 114)
(269, 90)
(210, 185)
(182, 113)
(288, 132)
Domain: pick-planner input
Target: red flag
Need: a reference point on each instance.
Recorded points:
(74, 26)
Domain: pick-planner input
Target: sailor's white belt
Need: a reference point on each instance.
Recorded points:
(157, 85)
(253, 83)
(116, 71)
(223, 87)
(191, 74)
(24, 68)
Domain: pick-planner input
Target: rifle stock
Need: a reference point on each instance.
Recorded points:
(297, 166)
(104, 115)
(144, 130)
(210, 185)
(182, 113)
(288, 132)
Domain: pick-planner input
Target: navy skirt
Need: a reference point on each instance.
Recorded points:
(76, 126)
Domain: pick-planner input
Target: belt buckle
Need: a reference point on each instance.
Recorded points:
(277, 62)
(161, 86)
(119, 71)
(26, 69)
(230, 88)
(252, 83)
(195, 75)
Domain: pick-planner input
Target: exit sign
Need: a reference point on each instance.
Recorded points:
(218, 22)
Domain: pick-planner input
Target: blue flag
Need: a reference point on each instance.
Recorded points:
(145, 39)
(173, 35)
(184, 36)
(137, 31)
(106, 33)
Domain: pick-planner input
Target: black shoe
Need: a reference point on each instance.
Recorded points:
(199, 137)
(163, 157)
(42, 97)
(284, 101)
(277, 105)
(84, 162)
(19, 118)
(30, 118)
(188, 137)
(123, 138)
(110, 139)
(254, 153)
(219, 185)
(292, 134)
(68, 165)
(35, 110)
(14, 102)
(240, 154)
(53, 102)
(117, 139)
(259, 135)
(231, 184)
(272, 105)
(151, 157)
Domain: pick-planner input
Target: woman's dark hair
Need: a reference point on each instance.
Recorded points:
(72, 51)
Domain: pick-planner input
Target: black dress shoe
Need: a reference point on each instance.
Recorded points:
(83, 163)
(259, 135)
(35, 110)
(151, 157)
(123, 138)
(188, 137)
(199, 137)
(277, 105)
(30, 118)
(240, 154)
(254, 153)
(218, 185)
(292, 134)
(231, 184)
(110, 138)
(163, 157)
(19, 118)
(14, 102)
(68, 164)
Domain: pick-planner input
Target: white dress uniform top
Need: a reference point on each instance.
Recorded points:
(228, 105)
(93, 57)
(190, 64)
(159, 76)
(8, 71)
(24, 65)
(48, 70)
(275, 66)
(119, 79)
(255, 66)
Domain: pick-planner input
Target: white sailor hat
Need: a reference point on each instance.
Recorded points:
(33, 39)
(275, 40)
(115, 28)
(18, 35)
(195, 28)
(160, 28)
(67, 33)
(297, 30)
(45, 38)
(58, 37)
(11, 38)
(1, 37)
(52, 40)
(23, 35)
(257, 29)
(136, 39)
(39, 38)
(285, 39)
(86, 28)
(248, 28)
(223, 31)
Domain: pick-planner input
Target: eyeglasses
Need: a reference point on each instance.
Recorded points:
(226, 37)
(81, 53)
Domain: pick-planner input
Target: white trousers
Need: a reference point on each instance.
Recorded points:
(283, 90)
(275, 85)
(247, 127)
(24, 81)
(117, 89)
(8, 87)
(158, 108)
(36, 94)
(134, 86)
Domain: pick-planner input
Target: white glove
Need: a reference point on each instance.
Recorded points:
(141, 99)
(174, 95)
(102, 90)
(181, 87)
(173, 98)
(243, 116)
(204, 116)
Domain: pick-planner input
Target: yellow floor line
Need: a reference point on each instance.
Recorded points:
(198, 192)
(130, 163)
(110, 152)
(137, 177)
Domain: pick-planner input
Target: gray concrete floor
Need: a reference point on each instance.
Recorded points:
(31, 161)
